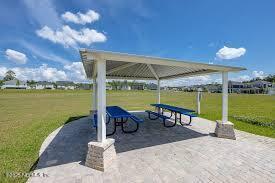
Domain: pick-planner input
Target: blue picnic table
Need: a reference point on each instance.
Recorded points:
(174, 110)
(120, 117)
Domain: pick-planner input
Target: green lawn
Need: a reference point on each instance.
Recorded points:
(27, 117)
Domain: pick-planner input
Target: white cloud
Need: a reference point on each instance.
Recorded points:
(218, 80)
(76, 71)
(230, 53)
(70, 37)
(254, 74)
(80, 18)
(71, 72)
(40, 73)
(196, 80)
(258, 74)
(244, 78)
(16, 56)
(3, 71)
(241, 78)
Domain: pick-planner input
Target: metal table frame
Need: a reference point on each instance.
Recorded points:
(174, 110)
(120, 117)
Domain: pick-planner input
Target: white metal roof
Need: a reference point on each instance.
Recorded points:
(128, 66)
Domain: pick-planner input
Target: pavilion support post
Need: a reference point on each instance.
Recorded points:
(101, 103)
(102, 152)
(158, 90)
(199, 100)
(224, 97)
(224, 128)
(94, 97)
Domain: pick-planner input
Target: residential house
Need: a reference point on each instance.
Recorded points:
(15, 84)
(212, 88)
(175, 88)
(83, 86)
(164, 88)
(65, 85)
(41, 85)
(235, 87)
(262, 85)
(137, 86)
(271, 91)
(108, 86)
(250, 88)
(125, 87)
(152, 86)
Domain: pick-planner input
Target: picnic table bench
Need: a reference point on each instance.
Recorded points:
(174, 110)
(120, 117)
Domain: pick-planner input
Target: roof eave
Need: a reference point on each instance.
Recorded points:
(88, 56)
(116, 56)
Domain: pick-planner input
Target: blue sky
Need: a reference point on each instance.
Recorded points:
(39, 39)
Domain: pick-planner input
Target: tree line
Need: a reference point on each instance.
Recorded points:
(269, 78)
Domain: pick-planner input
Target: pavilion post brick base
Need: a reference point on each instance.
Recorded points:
(100, 154)
(225, 130)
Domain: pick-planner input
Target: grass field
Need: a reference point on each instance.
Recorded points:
(27, 117)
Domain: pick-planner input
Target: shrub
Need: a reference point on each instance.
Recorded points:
(256, 121)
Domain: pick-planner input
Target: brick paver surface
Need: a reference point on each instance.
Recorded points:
(159, 154)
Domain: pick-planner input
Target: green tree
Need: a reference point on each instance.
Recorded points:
(31, 82)
(10, 75)
(125, 83)
(115, 84)
(270, 78)
(132, 83)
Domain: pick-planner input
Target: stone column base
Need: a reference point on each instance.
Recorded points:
(225, 130)
(100, 154)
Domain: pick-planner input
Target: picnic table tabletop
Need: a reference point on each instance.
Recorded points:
(117, 112)
(172, 108)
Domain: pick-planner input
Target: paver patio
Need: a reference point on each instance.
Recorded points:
(159, 154)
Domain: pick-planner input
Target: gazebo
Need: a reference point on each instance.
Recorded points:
(102, 65)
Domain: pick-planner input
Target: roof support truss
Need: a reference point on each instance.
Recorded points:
(120, 68)
(191, 74)
(153, 71)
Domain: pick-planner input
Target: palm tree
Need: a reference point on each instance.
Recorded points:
(114, 84)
